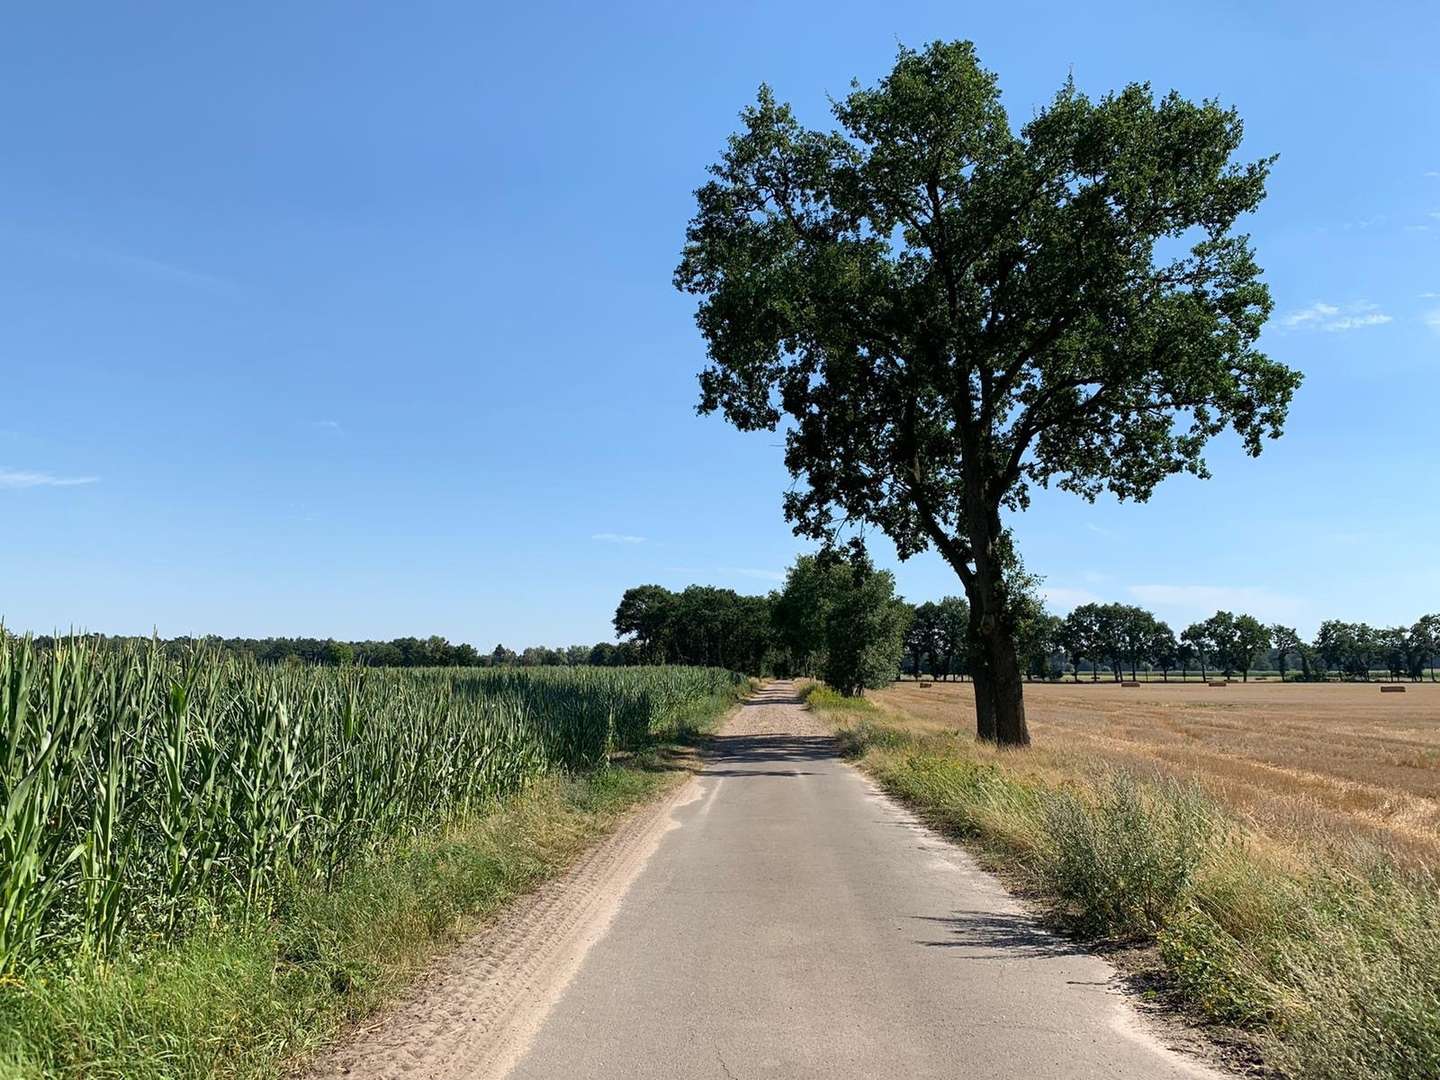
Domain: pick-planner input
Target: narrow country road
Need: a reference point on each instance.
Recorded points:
(791, 922)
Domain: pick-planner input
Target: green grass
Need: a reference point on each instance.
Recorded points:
(1328, 954)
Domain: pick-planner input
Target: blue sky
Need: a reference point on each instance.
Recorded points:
(356, 319)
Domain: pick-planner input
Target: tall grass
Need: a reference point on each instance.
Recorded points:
(1326, 950)
(143, 796)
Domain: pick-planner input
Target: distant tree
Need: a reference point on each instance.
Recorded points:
(1253, 640)
(801, 610)
(1333, 645)
(1349, 648)
(1426, 636)
(1197, 637)
(953, 635)
(1110, 637)
(602, 654)
(952, 311)
(1237, 639)
(1135, 629)
(1184, 657)
(500, 656)
(1395, 649)
(340, 653)
(1037, 637)
(1287, 643)
(645, 616)
(1080, 638)
(922, 639)
(1162, 650)
(865, 629)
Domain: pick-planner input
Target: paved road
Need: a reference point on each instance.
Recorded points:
(796, 924)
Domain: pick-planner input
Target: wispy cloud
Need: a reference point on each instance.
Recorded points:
(1198, 600)
(617, 538)
(763, 575)
(1432, 320)
(1061, 598)
(157, 270)
(1100, 530)
(1433, 173)
(327, 425)
(14, 479)
(1333, 317)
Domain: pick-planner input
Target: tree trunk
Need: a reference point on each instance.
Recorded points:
(985, 724)
(1009, 692)
(999, 688)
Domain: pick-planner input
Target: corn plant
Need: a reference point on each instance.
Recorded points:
(141, 792)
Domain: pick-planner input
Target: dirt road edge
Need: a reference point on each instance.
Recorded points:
(475, 1013)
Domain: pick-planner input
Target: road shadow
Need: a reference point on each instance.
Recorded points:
(732, 753)
(769, 696)
(989, 935)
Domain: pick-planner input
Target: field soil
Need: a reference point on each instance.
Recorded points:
(778, 917)
(1307, 759)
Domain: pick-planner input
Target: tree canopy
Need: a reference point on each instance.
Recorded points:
(948, 311)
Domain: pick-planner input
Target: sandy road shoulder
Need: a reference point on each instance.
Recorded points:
(477, 1010)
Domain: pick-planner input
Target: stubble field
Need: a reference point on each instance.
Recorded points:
(1314, 760)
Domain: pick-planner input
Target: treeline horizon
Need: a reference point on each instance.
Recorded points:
(775, 634)
(434, 651)
(1117, 638)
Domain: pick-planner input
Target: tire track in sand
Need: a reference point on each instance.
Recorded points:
(477, 1010)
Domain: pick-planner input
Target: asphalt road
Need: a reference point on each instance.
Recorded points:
(797, 924)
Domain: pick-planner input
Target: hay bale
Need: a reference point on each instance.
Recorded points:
(1392, 689)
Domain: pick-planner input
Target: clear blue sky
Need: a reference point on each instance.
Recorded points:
(356, 319)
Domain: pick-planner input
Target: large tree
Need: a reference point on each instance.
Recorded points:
(951, 311)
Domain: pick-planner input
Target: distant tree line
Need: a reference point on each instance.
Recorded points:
(1124, 638)
(837, 617)
(434, 651)
(1121, 640)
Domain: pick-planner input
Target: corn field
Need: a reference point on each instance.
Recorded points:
(144, 795)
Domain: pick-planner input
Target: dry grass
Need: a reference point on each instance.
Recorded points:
(1331, 762)
(1247, 832)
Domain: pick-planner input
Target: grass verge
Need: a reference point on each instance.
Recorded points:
(258, 999)
(1325, 951)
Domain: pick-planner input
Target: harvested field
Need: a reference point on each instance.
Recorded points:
(1321, 761)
